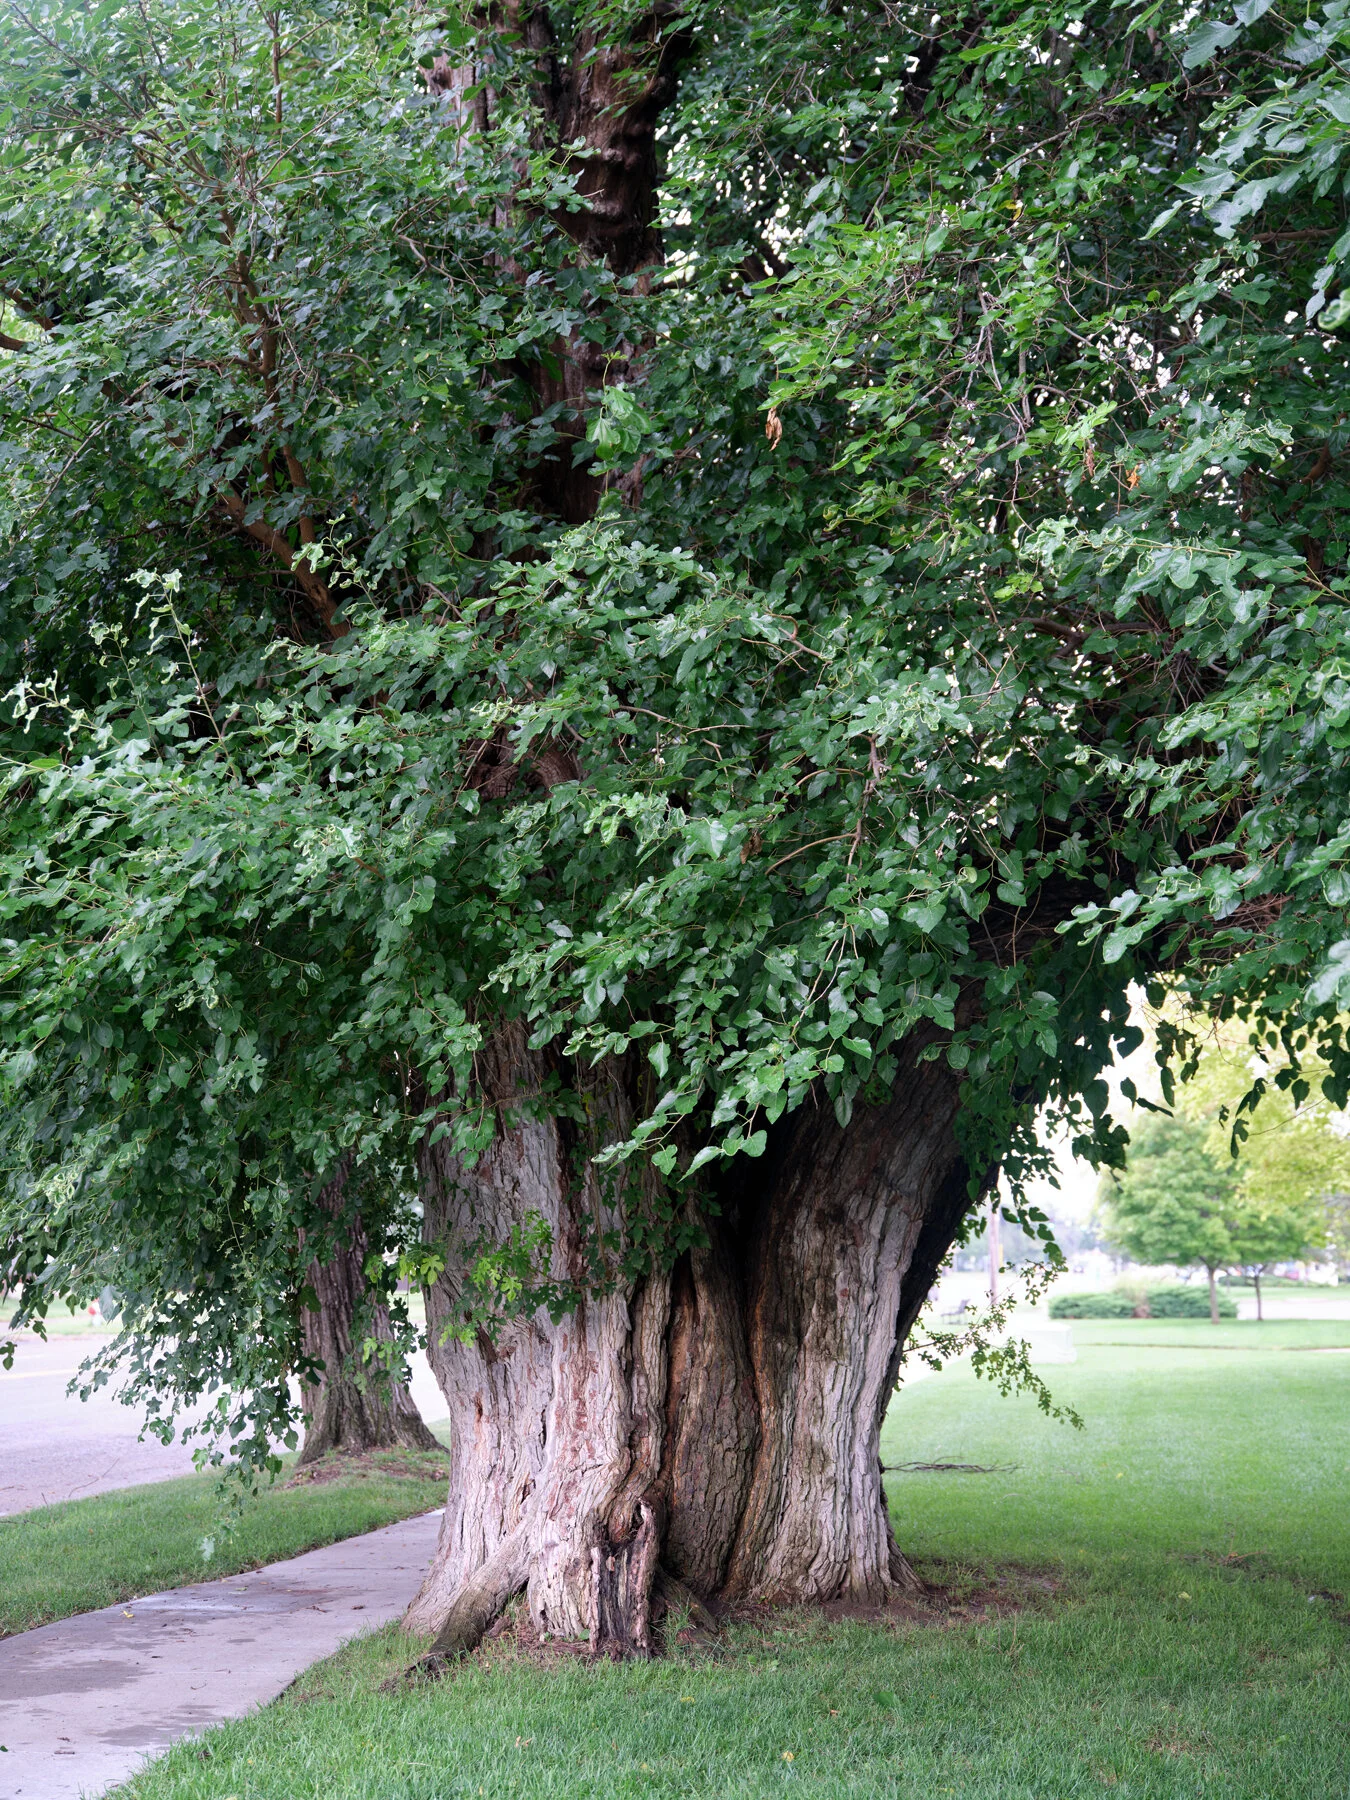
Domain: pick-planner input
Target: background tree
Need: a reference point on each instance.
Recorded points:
(357, 1395)
(719, 584)
(1277, 1232)
(1293, 1155)
(1175, 1202)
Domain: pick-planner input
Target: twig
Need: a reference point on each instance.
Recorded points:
(946, 1468)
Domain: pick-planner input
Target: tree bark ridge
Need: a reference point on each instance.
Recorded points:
(721, 1418)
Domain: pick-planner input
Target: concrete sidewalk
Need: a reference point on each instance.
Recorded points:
(84, 1701)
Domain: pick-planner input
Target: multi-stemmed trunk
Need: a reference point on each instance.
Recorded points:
(716, 1422)
(358, 1403)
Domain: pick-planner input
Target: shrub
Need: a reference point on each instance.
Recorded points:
(1177, 1302)
(1111, 1305)
(1170, 1302)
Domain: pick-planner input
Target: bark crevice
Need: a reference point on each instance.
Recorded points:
(719, 1421)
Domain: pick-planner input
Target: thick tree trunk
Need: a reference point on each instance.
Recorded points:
(719, 1422)
(355, 1406)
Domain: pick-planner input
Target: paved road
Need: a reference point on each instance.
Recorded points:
(57, 1447)
(84, 1701)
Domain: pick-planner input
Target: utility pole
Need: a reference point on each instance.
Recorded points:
(995, 1253)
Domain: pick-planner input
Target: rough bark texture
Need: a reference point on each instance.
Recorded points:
(351, 1408)
(723, 1419)
(719, 1420)
(598, 106)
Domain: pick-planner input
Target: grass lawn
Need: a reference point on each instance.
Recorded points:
(68, 1559)
(61, 1321)
(1183, 1563)
(1199, 1334)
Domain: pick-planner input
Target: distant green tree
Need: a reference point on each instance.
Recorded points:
(1293, 1156)
(1176, 1202)
(1276, 1232)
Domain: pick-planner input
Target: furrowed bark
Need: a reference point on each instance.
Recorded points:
(592, 1382)
(351, 1408)
(722, 1419)
(831, 1282)
(717, 1422)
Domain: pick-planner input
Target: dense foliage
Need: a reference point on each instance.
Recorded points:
(958, 637)
(1172, 1301)
(1174, 1203)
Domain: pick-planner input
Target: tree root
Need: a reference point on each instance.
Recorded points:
(479, 1603)
(903, 1575)
(901, 1570)
(947, 1468)
(630, 1592)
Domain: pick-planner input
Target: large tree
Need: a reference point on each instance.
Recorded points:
(715, 584)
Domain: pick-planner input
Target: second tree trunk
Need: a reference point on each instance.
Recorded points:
(356, 1404)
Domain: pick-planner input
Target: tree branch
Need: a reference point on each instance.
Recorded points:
(314, 588)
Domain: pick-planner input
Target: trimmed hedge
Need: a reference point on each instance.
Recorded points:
(1187, 1303)
(1110, 1305)
(1170, 1302)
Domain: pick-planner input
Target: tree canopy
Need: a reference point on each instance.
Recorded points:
(877, 601)
(1175, 1202)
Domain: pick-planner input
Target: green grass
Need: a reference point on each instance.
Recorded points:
(1168, 1646)
(60, 1560)
(1199, 1334)
(61, 1321)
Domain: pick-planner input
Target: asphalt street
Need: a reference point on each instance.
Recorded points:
(54, 1446)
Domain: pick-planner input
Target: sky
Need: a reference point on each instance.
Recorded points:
(1076, 1194)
